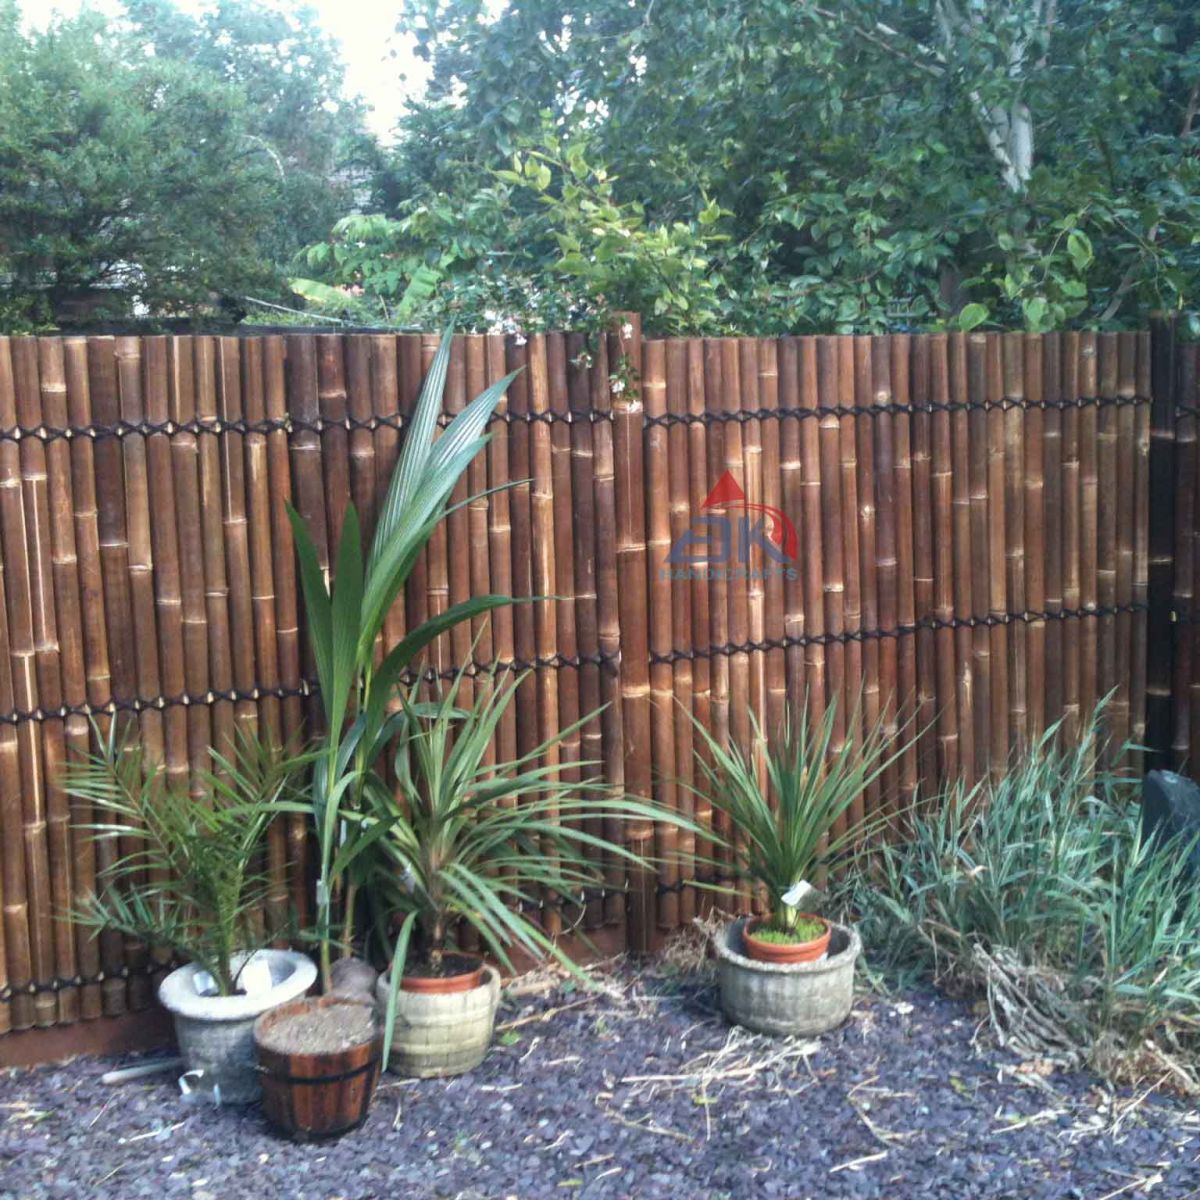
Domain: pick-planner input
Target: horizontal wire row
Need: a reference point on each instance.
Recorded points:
(307, 687)
(215, 426)
(991, 620)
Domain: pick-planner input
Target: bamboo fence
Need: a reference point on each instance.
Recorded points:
(992, 531)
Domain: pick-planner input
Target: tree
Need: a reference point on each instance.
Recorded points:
(865, 166)
(162, 160)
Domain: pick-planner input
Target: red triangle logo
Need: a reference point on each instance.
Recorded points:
(727, 491)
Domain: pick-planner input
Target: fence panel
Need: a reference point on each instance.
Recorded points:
(955, 528)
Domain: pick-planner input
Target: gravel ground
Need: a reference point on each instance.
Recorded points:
(639, 1092)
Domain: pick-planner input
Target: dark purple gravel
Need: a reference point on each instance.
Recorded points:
(902, 1092)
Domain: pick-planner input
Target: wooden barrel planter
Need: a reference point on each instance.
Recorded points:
(322, 1093)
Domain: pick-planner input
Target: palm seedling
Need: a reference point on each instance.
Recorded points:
(192, 883)
(345, 620)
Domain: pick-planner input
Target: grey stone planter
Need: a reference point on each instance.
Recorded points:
(216, 1033)
(787, 998)
(441, 1035)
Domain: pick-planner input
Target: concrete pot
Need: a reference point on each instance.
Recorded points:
(787, 998)
(444, 1034)
(216, 1033)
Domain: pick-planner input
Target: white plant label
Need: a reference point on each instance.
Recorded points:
(797, 892)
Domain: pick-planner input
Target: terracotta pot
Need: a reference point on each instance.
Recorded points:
(786, 952)
(445, 985)
(323, 1095)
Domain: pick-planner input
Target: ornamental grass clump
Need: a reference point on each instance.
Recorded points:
(1040, 893)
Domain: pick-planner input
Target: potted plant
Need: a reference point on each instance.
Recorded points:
(320, 1057)
(464, 842)
(790, 971)
(192, 884)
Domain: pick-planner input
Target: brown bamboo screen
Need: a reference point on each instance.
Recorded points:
(973, 549)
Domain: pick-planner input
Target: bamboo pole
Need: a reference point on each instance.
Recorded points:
(1106, 537)
(701, 600)
(804, 446)
(927, 501)
(1089, 487)
(737, 596)
(94, 953)
(232, 448)
(500, 540)
(1072, 495)
(1033, 500)
(907, 678)
(103, 952)
(1052, 515)
(541, 504)
(661, 589)
(844, 398)
(386, 405)
(865, 422)
(1163, 353)
(287, 607)
(625, 360)
(264, 604)
(118, 602)
(608, 615)
(458, 531)
(989, 577)
(479, 566)
(718, 636)
(950, 505)
(1013, 388)
(972, 648)
(185, 472)
(885, 552)
(770, 433)
(26, 882)
(819, 388)
(164, 556)
(678, 381)
(566, 677)
(335, 439)
(141, 590)
(1126, 454)
(364, 486)
(582, 525)
(212, 525)
(1185, 683)
(303, 405)
(441, 656)
(46, 514)
(1141, 547)
(521, 516)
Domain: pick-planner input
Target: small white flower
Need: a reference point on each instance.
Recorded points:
(627, 329)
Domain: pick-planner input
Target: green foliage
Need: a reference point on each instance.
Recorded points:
(805, 929)
(788, 167)
(154, 158)
(464, 839)
(1040, 892)
(193, 883)
(345, 620)
(784, 833)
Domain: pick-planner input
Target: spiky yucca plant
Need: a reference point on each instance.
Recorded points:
(465, 840)
(193, 883)
(785, 833)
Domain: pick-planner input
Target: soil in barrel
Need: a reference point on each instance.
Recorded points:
(321, 1030)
